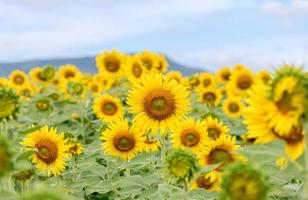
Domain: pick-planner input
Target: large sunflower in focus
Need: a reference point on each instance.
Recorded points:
(157, 103)
(111, 63)
(108, 108)
(51, 150)
(122, 141)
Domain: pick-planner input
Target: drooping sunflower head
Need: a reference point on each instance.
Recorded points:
(194, 81)
(181, 165)
(189, 135)
(9, 104)
(149, 60)
(43, 105)
(220, 151)
(233, 107)
(6, 163)
(215, 128)
(162, 63)
(175, 75)
(209, 97)
(111, 63)
(223, 74)
(158, 103)
(122, 141)
(135, 70)
(51, 150)
(240, 82)
(244, 182)
(69, 72)
(207, 80)
(18, 78)
(108, 108)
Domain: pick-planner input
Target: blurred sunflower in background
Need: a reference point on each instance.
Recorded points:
(175, 75)
(209, 97)
(233, 107)
(108, 108)
(223, 74)
(214, 127)
(240, 82)
(69, 72)
(18, 79)
(149, 60)
(111, 63)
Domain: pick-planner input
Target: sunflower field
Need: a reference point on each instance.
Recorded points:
(135, 130)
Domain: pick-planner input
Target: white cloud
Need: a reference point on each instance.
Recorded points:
(265, 54)
(47, 28)
(295, 7)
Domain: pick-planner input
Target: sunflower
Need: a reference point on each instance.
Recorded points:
(9, 104)
(240, 82)
(207, 80)
(3, 82)
(51, 150)
(27, 91)
(108, 108)
(220, 151)
(223, 74)
(209, 97)
(72, 88)
(75, 148)
(163, 64)
(233, 106)
(149, 60)
(122, 141)
(17, 79)
(214, 127)
(158, 103)
(264, 76)
(111, 63)
(135, 70)
(239, 67)
(151, 144)
(190, 135)
(209, 181)
(287, 106)
(69, 72)
(175, 75)
(95, 87)
(194, 81)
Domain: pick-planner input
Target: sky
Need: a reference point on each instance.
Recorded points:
(261, 34)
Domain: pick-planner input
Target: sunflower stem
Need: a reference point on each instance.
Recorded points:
(306, 157)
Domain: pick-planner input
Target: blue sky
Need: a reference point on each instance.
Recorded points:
(206, 33)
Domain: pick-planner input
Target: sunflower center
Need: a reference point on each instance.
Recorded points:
(137, 71)
(203, 182)
(77, 88)
(206, 82)
(233, 108)
(94, 88)
(112, 64)
(219, 156)
(244, 187)
(48, 73)
(244, 82)
(7, 105)
(179, 168)
(109, 108)
(124, 142)
(19, 80)
(284, 104)
(43, 105)
(190, 138)
(226, 75)
(47, 151)
(147, 62)
(159, 104)
(69, 74)
(209, 97)
(213, 133)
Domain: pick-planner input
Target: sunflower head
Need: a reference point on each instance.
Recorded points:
(209, 97)
(9, 104)
(75, 148)
(175, 75)
(108, 108)
(233, 107)
(48, 72)
(149, 60)
(240, 82)
(194, 81)
(18, 78)
(208, 181)
(215, 128)
(111, 63)
(181, 165)
(6, 163)
(43, 105)
(69, 72)
(207, 80)
(23, 175)
(151, 144)
(224, 74)
(162, 63)
(243, 182)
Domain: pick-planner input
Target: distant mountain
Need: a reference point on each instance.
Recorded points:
(85, 64)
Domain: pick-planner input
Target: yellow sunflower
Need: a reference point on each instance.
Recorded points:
(75, 149)
(35, 75)
(27, 91)
(111, 63)
(51, 150)
(233, 107)
(220, 151)
(189, 134)
(214, 127)
(149, 60)
(17, 79)
(194, 81)
(175, 75)
(3, 82)
(151, 144)
(239, 67)
(157, 103)
(69, 72)
(108, 108)
(264, 76)
(95, 87)
(209, 181)
(122, 141)
(210, 97)
(135, 70)
(207, 80)
(240, 82)
(163, 64)
(223, 74)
